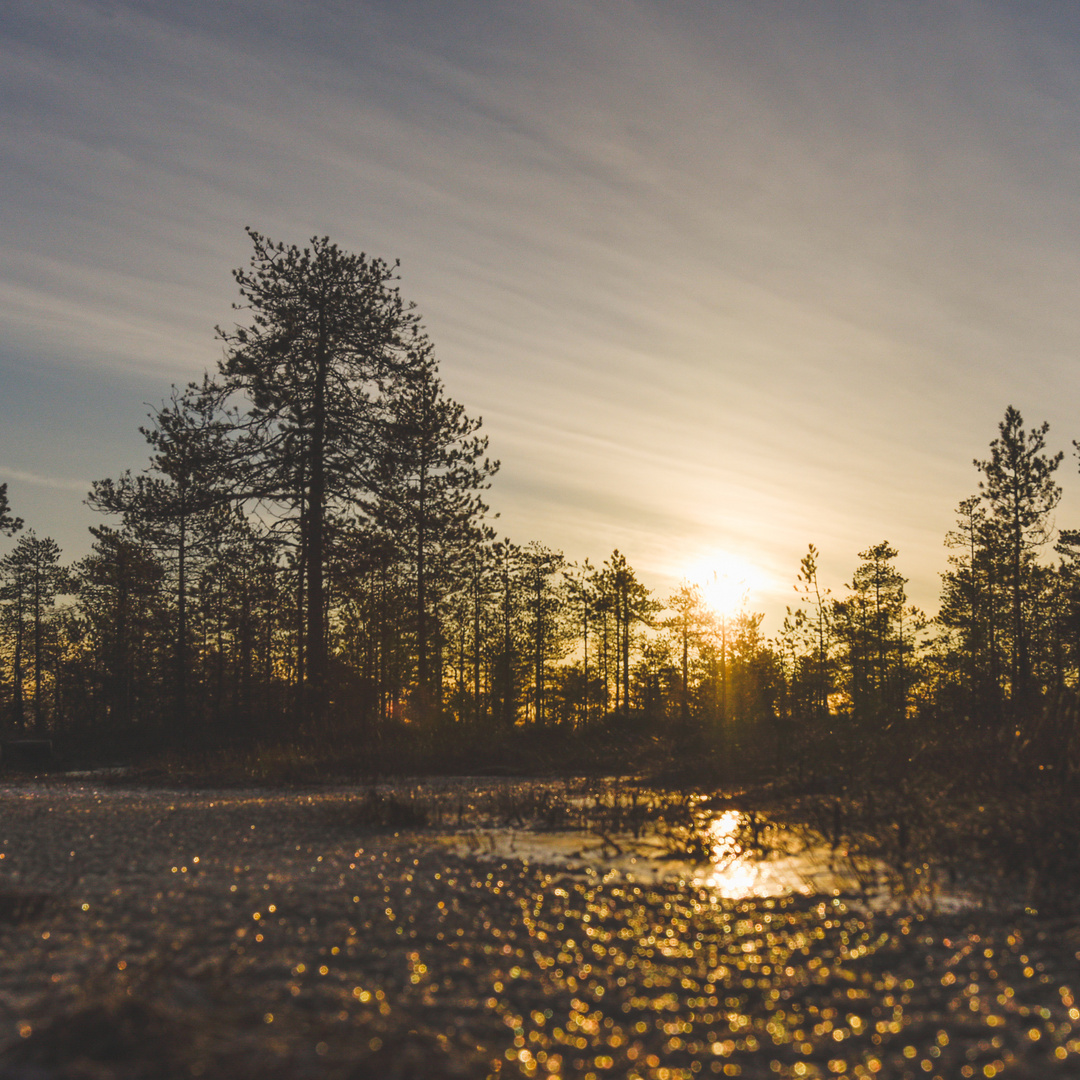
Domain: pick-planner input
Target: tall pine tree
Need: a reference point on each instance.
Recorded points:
(1020, 494)
(327, 330)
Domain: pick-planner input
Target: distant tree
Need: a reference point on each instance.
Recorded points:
(687, 623)
(793, 646)
(630, 603)
(542, 602)
(1068, 606)
(818, 607)
(31, 577)
(9, 524)
(179, 503)
(467, 625)
(507, 674)
(1020, 493)
(753, 677)
(119, 586)
(234, 602)
(374, 631)
(876, 633)
(481, 581)
(973, 608)
(15, 594)
(581, 598)
(430, 470)
(251, 624)
(655, 679)
(327, 330)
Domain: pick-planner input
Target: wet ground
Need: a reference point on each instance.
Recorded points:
(243, 934)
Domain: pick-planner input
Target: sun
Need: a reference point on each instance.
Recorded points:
(725, 581)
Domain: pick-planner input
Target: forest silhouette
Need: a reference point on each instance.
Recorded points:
(307, 562)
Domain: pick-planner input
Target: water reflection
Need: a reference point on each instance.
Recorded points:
(735, 871)
(729, 862)
(690, 840)
(730, 872)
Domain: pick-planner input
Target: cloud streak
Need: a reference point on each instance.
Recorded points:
(56, 483)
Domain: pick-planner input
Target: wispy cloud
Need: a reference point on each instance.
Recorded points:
(55, 482)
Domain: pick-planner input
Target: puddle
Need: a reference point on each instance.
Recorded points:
(732, 870)
(609, 831)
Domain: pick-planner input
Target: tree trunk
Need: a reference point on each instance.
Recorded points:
(476, 642)
(315, 637)
(538, 659)
(423, 660)
(38, 618)
(181, 620)
(18, 706)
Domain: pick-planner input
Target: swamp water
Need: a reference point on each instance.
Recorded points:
(356, 934)
(642, 835)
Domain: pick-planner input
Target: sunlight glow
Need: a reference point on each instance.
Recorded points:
(731, 874)
(735, 873)
(726, 581)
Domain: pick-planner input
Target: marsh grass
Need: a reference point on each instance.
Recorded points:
(985, 808)
(1012, 843)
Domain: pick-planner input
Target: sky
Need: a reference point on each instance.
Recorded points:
(723, 279)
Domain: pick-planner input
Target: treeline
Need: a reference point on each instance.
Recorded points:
(308, 548)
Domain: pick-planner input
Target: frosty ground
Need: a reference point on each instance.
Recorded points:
(158, 933)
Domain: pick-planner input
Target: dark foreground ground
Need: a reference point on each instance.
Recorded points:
(239, 934)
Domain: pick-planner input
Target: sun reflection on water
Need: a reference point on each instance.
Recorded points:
(736, 873)
(730, 872)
